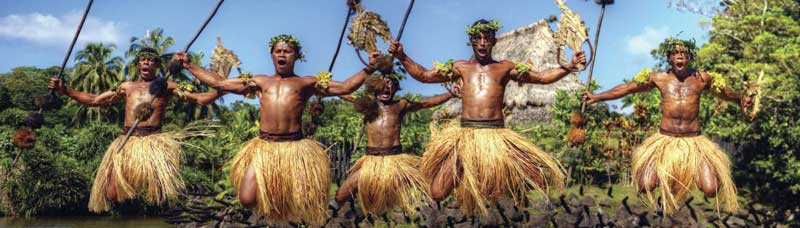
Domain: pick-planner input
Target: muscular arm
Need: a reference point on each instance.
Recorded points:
(349, 98)
(623, 90)
(543, 77)
(200, 98)
(727, 94)
(217, 82)
(95, 100)
(430, 102)
(419, 72)
(347, 87)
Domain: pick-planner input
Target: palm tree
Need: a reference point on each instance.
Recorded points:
(97, 71)
(153, 39)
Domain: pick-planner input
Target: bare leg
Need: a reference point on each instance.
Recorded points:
(707, 180)
(444, 181)
(349, 188)
(248, 188)
(111, 188)
(648, 180)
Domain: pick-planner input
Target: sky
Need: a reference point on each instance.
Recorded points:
(38, 32)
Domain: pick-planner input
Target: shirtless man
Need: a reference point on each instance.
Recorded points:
(679, 156)
(285, 176)
(150, 160)
(376, 174)
(481, 159)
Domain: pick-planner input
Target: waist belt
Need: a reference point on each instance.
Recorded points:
(283, 137)
(497, 123)
(141, 131)
(384, 150)
(679, 134)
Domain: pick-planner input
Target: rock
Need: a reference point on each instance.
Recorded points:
(606, 203)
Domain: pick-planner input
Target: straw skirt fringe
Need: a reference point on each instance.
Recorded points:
(489, 163)
(293, 179)
(677, 163)
(385, 182)
(147, 163)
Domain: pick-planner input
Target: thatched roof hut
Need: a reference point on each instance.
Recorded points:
(527, 103)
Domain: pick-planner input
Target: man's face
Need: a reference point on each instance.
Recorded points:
(388, 91)
(482, 44)
(147, 67)
(679, 58)
(283, 57)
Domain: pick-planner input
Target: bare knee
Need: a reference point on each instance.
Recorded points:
(348, 188)
(707, 180)
(439, 193)
(111, 189)
(247, 190)
(648, 181)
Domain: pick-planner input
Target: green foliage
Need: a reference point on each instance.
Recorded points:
(289, 39)
(492, 26)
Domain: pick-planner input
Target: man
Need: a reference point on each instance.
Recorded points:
(481, 159)
(679, 156)
(285, 176)
(385, 178)
(150, 160)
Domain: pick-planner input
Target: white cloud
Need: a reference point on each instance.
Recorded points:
(640, 45)
(57, 31)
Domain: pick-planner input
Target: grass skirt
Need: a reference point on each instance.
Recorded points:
(149, 164)
(489, 163)
(293, 179)
(389, 181)
(677, 161)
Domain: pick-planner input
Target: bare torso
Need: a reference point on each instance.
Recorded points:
(385, 129)
(282, 102)
(483, 88)
(680, 100)
(137, 93)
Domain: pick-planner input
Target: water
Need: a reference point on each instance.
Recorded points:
(97, 221)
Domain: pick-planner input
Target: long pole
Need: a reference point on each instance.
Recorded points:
(596, 40)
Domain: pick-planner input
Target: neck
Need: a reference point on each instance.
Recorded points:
(484, 61)
(285, 74)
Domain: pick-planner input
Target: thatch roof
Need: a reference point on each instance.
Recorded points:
(533, 44)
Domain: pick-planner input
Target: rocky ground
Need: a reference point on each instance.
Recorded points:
(203, 208)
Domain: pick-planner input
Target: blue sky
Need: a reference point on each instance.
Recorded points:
(37, 32)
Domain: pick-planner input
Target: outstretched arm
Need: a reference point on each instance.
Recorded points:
(548, 76)
(348, 86)
(429, 102)
(212, 79)
(349, 98)
(726, 93)
(416, 71)
(351, 84)
(88, 99)
(618, 92)
(198, 98)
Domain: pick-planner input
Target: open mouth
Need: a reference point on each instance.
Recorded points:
(386, 95)
(482, 51)
(281, 62)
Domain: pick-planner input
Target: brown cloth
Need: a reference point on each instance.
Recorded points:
(496, 123)
(384, 150)
(679, 134)
(283, 137)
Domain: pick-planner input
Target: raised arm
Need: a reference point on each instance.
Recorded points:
(212, 79)
(429, 102)
(349, 98)
(416, 71)
(348, 86)
(198, 98)
(88, 99)
(619, 91)
(548, 76)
